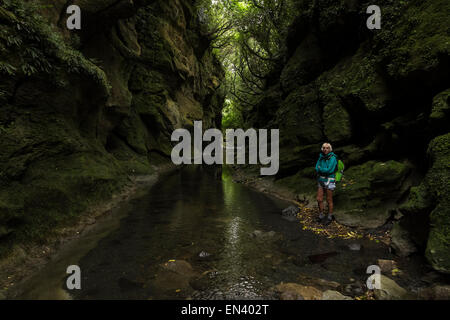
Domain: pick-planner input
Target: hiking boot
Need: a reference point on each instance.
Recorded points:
(328, 220)
(321, 218)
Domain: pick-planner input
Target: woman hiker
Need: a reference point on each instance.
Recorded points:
(325, 168)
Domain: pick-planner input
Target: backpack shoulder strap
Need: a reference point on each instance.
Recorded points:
(337, 163)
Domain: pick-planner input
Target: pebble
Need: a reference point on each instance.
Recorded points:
(203, 254)
(354, 246)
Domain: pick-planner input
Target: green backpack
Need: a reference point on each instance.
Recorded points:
(339, 170)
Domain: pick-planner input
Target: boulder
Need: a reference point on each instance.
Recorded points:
(355, 288)
(295, 291)
(369, 192)
(334, 295)
(354, 246)
(204, 254)
(400, 241)
(435, 292)
(390, 290)
(204, 281)
(181, 267)
(290, 213)
(429, 203)
(264, 236)
(319, 283)
(438, 181)
(387, 266)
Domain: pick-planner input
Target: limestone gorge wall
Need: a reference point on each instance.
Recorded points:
(381, 98)
(82, 110)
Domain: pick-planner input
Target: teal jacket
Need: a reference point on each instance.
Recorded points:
(326, 166)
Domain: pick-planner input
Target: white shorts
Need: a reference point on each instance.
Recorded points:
(330, 184)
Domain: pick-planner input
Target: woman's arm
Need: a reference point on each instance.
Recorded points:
(330, 165)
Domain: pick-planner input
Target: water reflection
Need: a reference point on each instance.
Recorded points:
(226, 241)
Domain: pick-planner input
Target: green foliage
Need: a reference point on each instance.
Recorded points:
(248, 38)
(231, 115)
(29, 45)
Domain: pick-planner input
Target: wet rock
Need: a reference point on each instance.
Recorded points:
(368, 200)
(390, 290)
(290, 213)
(256, 233)
(181, 267)
(387, 265)
(290, 295)
(173, 275)
(201, 283)
(397, 215)
(204, 254)
(401, 242)
(319, 283)
(358, 290)
(430, 199)
(302, 198)
(204, 281)
(295, 291)
(354, 246)
(436, 292)
(355, 288)
(270, 234)
(334, 295)
(261, 235)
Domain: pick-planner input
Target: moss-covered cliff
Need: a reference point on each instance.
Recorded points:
(381, 97)
(82, 110)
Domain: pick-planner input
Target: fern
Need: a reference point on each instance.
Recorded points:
(45, 49)
(7, 68)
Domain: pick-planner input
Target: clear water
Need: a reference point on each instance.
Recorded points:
(207, 226)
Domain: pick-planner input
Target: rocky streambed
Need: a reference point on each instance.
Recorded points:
(193, 236)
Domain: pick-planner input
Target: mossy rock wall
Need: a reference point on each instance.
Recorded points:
(431, 198)
(82, 110)
(380, 97)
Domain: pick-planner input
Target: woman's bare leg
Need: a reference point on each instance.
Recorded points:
(320, 198)
(330, 201)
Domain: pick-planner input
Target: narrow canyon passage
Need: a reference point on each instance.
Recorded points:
(194, 236)
(354, 97)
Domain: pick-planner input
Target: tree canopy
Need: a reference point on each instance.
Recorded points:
(248, 38)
